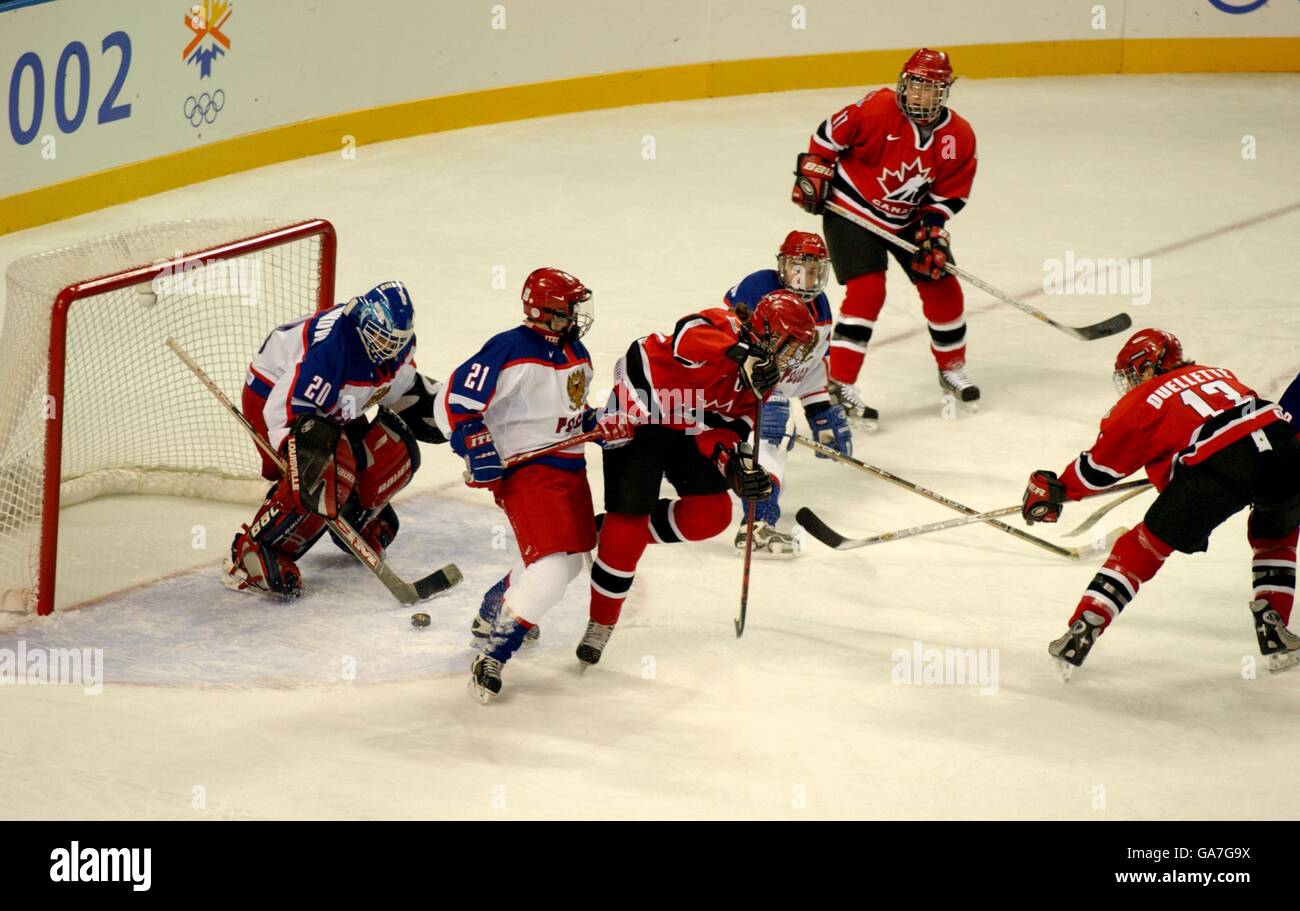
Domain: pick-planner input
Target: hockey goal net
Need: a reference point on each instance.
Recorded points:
(91, 400)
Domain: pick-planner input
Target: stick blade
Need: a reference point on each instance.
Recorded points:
(818, 529)
(1107, 327)
(438, 582)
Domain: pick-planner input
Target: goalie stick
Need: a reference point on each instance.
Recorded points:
(422, 589)
(1115, 324)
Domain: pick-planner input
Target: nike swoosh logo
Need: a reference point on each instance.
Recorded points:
(892, 137)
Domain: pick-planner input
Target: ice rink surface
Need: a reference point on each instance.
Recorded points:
(219, 705)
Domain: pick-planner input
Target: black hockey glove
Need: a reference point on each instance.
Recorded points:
(747, 478)
(415, 408)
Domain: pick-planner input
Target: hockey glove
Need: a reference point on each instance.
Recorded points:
(758, 369)
(615, 427)
(813, 175)
(830, 427)
(320, 466)
(932, 252)
(747, 478)
(1044, 497)
(473, 440)
(776, 415)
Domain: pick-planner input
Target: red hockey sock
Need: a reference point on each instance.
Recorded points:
(1136, 557)
(1274, 568)
(944, 310)
(863, 297)
(695, 517)
(623, 538)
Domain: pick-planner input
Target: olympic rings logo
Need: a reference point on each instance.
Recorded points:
(205, 108)
(1249, 7)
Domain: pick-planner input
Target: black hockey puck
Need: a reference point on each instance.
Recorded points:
(420, 621)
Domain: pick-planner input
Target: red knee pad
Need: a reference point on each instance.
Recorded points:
(699, 517)
(1138, 554)
(864, 296)
(389, 456)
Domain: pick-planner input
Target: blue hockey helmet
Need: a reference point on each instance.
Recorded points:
(385, 320)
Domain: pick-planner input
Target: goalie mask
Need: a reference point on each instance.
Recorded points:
(557, 305)
(1147, 353)
(784, 326)
(923, 85)
(803, 264)
(385, 319)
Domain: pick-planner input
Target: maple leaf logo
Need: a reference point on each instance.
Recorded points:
(906, 184)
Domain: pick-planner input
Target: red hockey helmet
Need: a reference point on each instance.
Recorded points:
(923, 85)
(785, 327)
(1153, 349)
(557, 304)
(803, 264)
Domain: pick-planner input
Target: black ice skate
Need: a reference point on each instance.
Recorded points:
(858, 411)
(1074, 646)
(593, 642)
(957, 384)
(485, 678)
(1279, 644)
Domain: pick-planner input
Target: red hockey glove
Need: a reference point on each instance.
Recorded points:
(616, 428)
(1044, 498)
(932, 251)
(812, 183)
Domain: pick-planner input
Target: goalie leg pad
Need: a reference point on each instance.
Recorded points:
(260, 567)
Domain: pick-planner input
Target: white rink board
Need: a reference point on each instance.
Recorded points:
(293, 60)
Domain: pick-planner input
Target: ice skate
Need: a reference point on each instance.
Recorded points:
(859, 412)
(957, 384)
(593, 642)
(1279, 644)
(485, 678)
(1070, 650)
(768, 541)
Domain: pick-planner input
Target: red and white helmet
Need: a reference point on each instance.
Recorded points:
(803, 264)
(923, 85)
(556, 303)
(1156, 349)
(784, 326)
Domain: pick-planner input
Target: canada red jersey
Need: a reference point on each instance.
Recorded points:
(687, 379)
(886, 171)
(1178, 418)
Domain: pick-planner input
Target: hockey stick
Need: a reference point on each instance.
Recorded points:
(590, 436)
(1139, 487)
(406, 592)
(833, 539)
(749, 519)
(1117, 323)
(1069, 553)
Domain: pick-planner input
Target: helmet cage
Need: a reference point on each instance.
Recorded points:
(816, 267)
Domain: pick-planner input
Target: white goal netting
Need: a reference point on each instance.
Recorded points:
(133, 419)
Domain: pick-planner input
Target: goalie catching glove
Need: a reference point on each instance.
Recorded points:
(1044, 497)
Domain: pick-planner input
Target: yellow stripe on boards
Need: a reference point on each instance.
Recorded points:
(607, 90)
